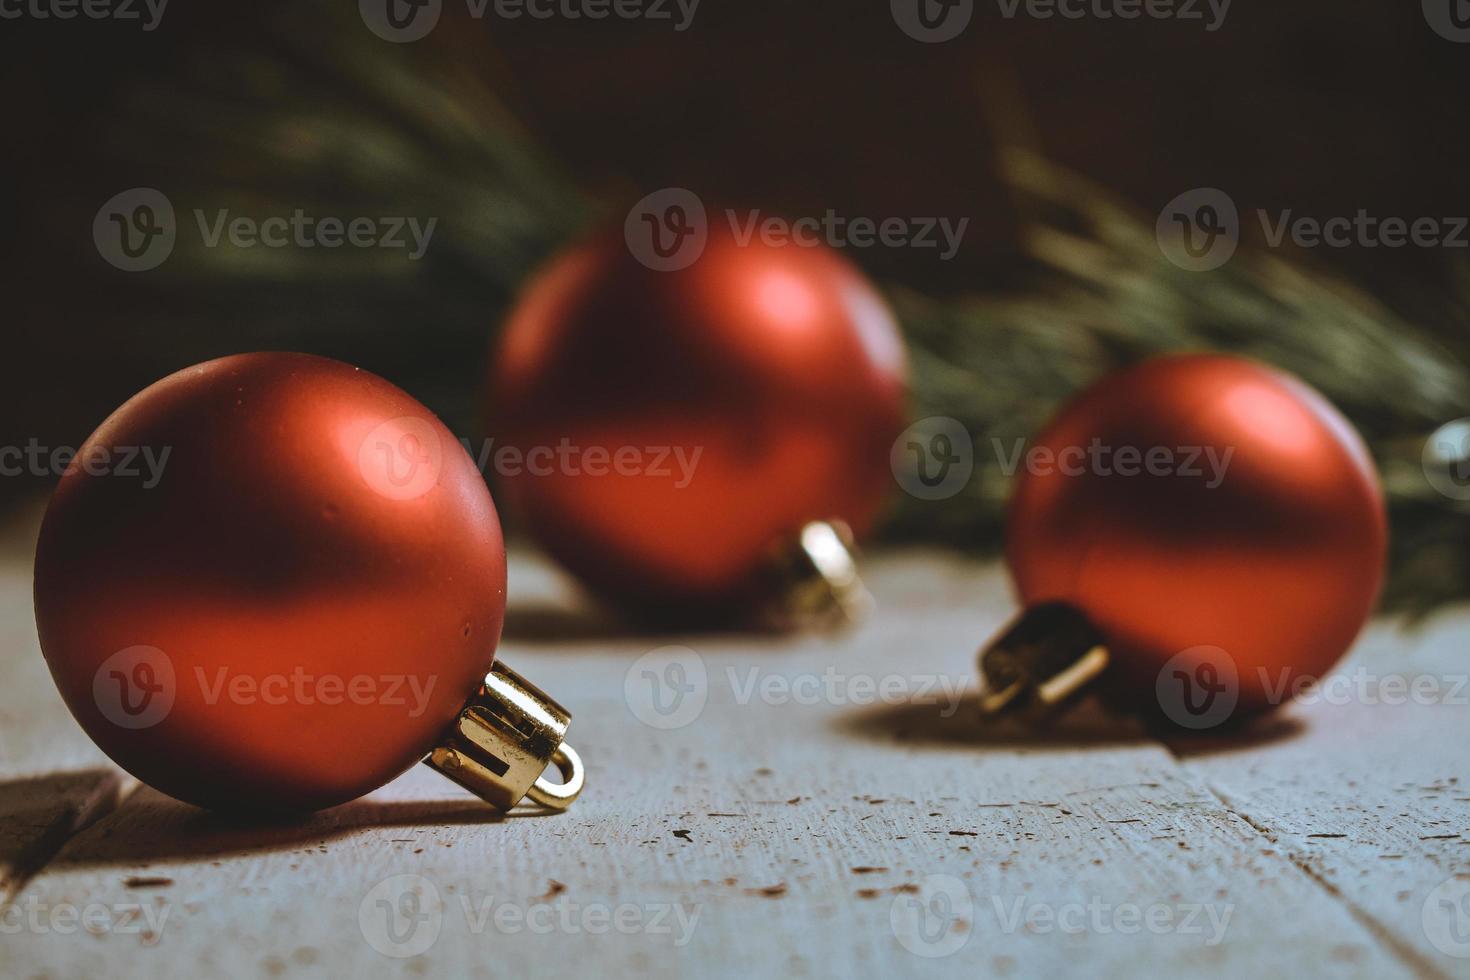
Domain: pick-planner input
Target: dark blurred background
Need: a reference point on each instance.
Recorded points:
(521, 134)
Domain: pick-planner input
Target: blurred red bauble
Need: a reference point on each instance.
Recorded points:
(1243, 556)
(705, 414)
(295, 609)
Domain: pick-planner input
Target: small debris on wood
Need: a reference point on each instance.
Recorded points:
(144, 882)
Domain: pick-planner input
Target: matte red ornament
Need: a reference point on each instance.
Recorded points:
(709, 415)
(306, 603)
(1243, 557)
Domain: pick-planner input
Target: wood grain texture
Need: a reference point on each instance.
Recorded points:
(853, 835)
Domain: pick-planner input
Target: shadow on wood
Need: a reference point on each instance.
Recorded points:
(941, 720)
(575, 630)
(1251, 734)
(39, 814)
(149, 826)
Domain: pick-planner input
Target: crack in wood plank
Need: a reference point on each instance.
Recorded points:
(69, 819)
(1381, 931)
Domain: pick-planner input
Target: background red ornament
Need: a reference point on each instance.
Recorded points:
(315, 528)
(778, 369)
(1279, 565)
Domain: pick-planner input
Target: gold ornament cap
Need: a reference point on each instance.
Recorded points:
(817, 578)
(505, 738)
(1045, 659)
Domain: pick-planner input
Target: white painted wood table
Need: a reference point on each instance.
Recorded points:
(829, 810)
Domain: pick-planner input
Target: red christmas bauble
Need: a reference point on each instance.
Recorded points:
(299, 607)
(705, 414)
(1248, 550)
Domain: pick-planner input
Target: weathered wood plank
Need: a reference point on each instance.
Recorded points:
(53, 780)
(1370, 794)
(821, 839)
